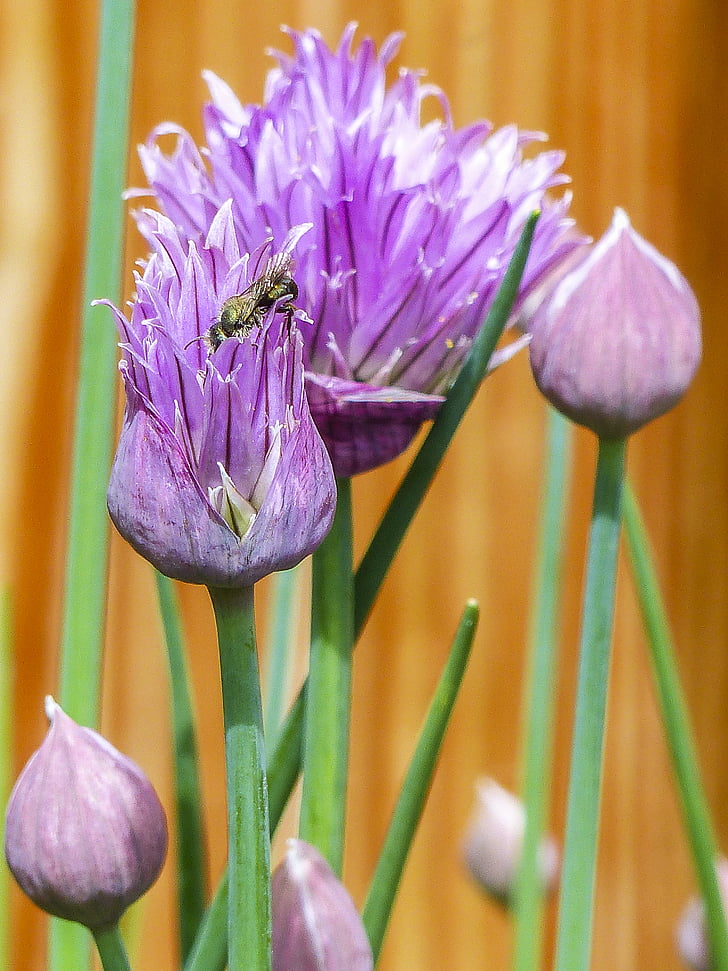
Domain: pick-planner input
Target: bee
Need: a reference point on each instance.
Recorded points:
(240, 313)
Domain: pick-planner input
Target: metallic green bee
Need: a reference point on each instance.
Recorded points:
(240, 313)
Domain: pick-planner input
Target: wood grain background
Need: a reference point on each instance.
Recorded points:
(636, 95)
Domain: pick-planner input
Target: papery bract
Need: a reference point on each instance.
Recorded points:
(316, 926)
(85, 834)
(220, 475)
(617, 342)
(413, 226)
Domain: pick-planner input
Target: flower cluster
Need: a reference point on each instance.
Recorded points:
(220, 476)
(413, 226)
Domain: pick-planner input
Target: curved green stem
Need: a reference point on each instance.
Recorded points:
(540, 697)
(677, 729)
(249, 915)
(416, 785)
(111, 949)
(582, 821)
(328, 692)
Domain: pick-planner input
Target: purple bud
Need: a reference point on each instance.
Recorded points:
(494, 842)
(692, 938)
(316, 926)
(618, 342)
(85, 833)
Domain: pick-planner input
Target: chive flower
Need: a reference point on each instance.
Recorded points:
(316, 926)
(220, 476)
(413, 225)
(617, 342)
(493, 843)
(85, 834)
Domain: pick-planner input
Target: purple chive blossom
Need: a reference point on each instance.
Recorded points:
(617, 342)
(413, 226)
(220, 476)
(85, 833)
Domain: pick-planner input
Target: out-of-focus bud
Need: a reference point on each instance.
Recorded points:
(494, 842)
(618, 341)
(316, 926)
(692, 937)
(85, 833)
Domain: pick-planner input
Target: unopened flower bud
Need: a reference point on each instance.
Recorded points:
(618, 342)
(316, 926)
(494, 843)
(692, 937)
(85, 833)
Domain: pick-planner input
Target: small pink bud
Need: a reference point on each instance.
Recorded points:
(692, 937)
(85, 832)
(618, 341)
(494, 842)
(316, 926)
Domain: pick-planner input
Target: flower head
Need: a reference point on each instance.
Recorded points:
(413, 226)
(85, 834)
(494, 843)
(220, 475)
(617, 342)
(316, 926)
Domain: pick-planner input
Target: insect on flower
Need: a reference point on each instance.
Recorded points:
(243, 311)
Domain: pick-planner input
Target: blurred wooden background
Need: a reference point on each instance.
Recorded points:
(635, 93)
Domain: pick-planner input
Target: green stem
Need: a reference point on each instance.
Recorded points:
(582, 820)
(210, 950)
(95, 408)
(408, 497)
(249, 916)
(328, 703)
(278, 654)
(86, 564)
(416, 785)
(111, 949)
(190, 830)
(677, 729)
(540, 697)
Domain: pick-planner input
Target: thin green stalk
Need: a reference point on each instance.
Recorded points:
(6, 756)
(582, 819)
(416, 785)
(540, 696)
(86, 566)
(95, 408)
(406, 501)
(677, 729)
(249, 915)
(111, 949)
(191, 891)
(328, 702)
(279, 650)
(210, 950)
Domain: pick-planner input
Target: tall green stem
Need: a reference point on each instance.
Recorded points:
(86, 564)
(538, 719)
(677, 729)
(582, 821)
(190, 829)
(249, 915)
(328, 694)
